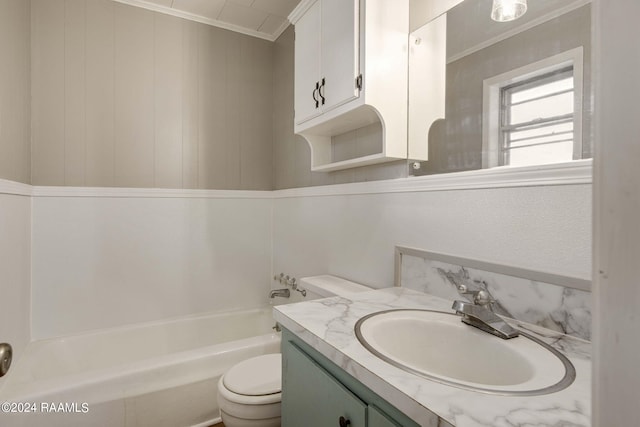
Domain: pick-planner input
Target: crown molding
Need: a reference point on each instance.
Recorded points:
(281, 29)
(300, 10)
(201, 19)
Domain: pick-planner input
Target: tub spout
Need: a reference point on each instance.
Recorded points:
(285, 293)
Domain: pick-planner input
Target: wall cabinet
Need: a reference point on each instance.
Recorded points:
(351, 70)
(317, 393)
(326, 58)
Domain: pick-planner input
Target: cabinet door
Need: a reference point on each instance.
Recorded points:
(307, 64)
(377, 418)
(311, 397)
(339, 51)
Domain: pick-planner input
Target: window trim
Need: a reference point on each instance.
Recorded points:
(491, 100)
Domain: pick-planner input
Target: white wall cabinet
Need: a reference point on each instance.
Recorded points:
(326, 57)
(351, 70)
(307, 65)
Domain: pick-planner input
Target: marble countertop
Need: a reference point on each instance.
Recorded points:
(328, 326)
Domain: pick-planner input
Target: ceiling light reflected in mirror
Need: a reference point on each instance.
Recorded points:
(508, 10)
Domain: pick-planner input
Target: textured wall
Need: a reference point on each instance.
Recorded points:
(15, 88)
(539, 228)
(127, 97)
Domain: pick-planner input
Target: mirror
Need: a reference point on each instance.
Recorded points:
(516, 92)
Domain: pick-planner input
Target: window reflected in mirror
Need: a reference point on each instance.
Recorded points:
(517, 93)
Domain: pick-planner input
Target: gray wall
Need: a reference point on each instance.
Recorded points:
(455, 144)
(15, 87)
(127, 97)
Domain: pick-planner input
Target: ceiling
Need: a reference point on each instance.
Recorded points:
(266, 19)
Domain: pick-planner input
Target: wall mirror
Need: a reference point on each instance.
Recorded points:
(517, 93)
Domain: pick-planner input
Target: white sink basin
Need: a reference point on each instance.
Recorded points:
(440, 347)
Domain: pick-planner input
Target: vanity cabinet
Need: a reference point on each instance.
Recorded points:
(317, 393)
(313, 398)
(351, 70)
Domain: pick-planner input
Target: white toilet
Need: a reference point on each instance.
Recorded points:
(249, 394)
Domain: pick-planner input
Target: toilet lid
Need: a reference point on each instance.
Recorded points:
(257, 376)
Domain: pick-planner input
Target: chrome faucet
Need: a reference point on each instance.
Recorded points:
(481, 318)
(285, 293)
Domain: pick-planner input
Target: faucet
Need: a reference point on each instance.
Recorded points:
(285, 293)
(481, 318)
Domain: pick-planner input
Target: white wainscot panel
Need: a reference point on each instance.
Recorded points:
(101, 262)
(15, 267)
(545, 228)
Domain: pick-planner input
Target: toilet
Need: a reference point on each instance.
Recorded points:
(250, 393)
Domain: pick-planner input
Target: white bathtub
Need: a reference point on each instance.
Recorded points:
(156, 374)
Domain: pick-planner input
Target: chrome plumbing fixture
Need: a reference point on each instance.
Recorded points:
(285, 280)
(480, 297)
(484, 319)
(284, 293)
(478, 293)
(6, 354)
(289, 281)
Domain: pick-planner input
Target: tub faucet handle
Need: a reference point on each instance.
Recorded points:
(6, 354)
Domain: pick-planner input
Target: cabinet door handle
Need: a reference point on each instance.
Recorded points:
(321, 91)
(316, 90)
(344, 422)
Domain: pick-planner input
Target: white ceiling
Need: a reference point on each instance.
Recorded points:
(266, 19)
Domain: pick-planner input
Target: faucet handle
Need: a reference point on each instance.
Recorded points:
(463, 290)
(482, 298)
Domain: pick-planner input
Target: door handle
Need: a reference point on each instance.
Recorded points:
(321, 91)
(316, 90)
(344, 422)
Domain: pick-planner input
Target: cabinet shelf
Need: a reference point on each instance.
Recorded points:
(319, 139)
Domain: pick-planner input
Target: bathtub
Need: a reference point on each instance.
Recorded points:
(155, 374)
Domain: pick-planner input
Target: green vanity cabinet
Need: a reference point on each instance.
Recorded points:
(313, 398)
(377, 418)
(318, 393)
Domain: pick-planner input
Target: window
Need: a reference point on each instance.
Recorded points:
(533, 114)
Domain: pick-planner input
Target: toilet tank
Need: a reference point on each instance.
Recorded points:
(328, 286)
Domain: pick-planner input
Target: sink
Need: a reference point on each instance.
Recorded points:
(438, 346)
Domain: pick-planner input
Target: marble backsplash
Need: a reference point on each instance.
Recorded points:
(551, 306)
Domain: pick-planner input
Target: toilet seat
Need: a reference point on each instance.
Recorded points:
(252, 391)
(242, 399)
(258, 376)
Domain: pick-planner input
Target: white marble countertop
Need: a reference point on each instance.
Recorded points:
(328, 326)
